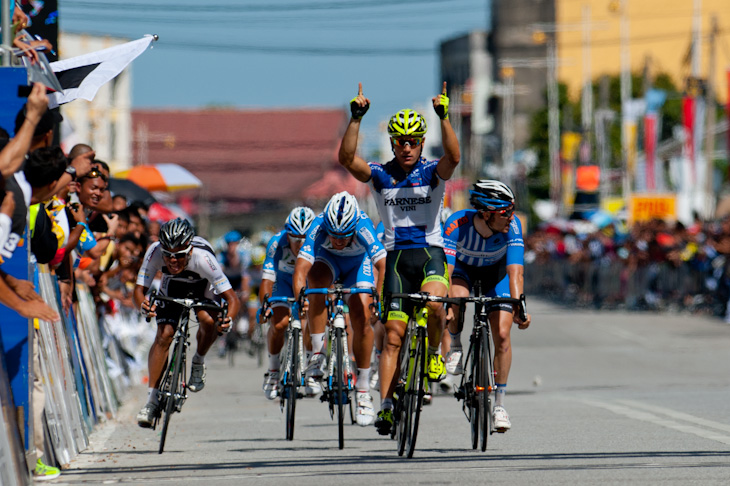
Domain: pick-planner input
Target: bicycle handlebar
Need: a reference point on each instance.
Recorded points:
(339, 290)
(190, 303)
(460, 301)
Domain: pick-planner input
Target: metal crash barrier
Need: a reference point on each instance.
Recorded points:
(663, 286)
(86, 366)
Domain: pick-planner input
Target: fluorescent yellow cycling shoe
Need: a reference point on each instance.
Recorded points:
(436, 367)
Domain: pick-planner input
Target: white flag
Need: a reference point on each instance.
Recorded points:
(82, 76)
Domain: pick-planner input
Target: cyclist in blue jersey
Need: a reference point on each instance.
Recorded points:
(276, 281)
(485, 243)
(341, 246)
(408, 192)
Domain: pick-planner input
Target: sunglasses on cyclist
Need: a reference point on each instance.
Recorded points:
(403, 141)
(505, 213)
(297, 238)
(176, 255)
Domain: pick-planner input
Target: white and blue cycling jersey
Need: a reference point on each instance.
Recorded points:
(409, 204)
(351, 265)
(468, 251)
(462, 242)
(279, 265)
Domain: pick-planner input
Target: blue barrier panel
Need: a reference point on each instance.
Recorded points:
(13, 327)
(13, 469)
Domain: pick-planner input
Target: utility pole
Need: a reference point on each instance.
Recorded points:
(710, 100)
(508, 123)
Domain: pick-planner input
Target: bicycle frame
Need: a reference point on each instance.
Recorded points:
(291, 368)
(477, 382)
(173, 384)
(340, 379)
(412, 380)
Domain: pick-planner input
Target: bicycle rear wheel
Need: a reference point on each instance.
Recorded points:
(174, 386)
(474, 396)
(339, 388)
(417, 389)
(290, 386)
(485, 395)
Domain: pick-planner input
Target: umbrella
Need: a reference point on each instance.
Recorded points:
(162, 177)
(165, 212)
(130, 190)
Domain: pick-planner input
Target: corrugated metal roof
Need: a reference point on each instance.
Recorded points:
(243, 154)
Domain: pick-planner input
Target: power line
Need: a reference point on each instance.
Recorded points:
(309, 50)
(263, 7)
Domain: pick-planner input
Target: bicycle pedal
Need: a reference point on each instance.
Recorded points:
(324, 397)
(460, 394)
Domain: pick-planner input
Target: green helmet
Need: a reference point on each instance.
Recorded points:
(407, 123)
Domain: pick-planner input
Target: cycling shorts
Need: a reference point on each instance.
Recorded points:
(354, 271)
(406, 271)
(282, 288)
(493, 278)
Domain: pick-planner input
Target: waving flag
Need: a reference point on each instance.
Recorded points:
(82, 76)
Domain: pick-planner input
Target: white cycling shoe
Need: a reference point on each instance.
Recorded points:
(454, 366)
(500, 419)
(312, 387)
(197, 377)
(271, 384)
(315, 367)
(365, 410)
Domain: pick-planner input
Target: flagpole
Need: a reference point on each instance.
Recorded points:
(7, 34)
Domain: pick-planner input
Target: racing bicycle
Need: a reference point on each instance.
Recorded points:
(412, 384)
(478, 383)
(173, 386)
(291, 369)
(339, 379)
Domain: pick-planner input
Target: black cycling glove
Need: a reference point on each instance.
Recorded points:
(357, 110)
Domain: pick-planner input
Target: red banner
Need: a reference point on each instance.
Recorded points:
(688, 121)
(650, 138)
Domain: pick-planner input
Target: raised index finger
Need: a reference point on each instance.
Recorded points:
(443, 92)
(359, 89)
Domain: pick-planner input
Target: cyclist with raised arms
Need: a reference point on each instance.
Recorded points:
(276, 281)
(189, 270)
(341, 246)
(485, 243)
(408, 192)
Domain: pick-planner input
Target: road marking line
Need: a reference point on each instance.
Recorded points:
(678, 415)
(624, 334)
(651, 418)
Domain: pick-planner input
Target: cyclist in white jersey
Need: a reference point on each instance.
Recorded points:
(409, 193)
(189, 269)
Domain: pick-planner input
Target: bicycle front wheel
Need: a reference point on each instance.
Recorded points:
(485, 395)
(474, 395)
(290, 386)
(417, 389)
(339, 387)
(175, 388)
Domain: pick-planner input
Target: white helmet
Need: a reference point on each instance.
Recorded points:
(299, 221)
(341, 214)
(489, 195)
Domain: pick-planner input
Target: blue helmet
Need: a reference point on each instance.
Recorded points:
(341, 214)
(232, 236)
(299, 221)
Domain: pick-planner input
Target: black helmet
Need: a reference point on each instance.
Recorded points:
(489, 195)
(176, 233)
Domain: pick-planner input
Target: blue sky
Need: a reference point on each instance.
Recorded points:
(282, 53)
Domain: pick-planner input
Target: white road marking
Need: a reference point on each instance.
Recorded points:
(631, 409)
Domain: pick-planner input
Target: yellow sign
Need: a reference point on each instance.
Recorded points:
(644, 207)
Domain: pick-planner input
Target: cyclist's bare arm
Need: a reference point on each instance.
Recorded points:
(347, 156)
(265, 289)
(299, 280)
(141, 301)
(234, 304)
(380, 267)
(516, 288)
(452, 154)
